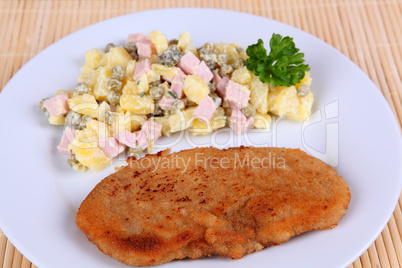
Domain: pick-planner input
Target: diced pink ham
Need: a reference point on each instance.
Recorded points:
(134, 38)
(236, 95)
(153, 129)
(221, 87)
(66, 139)
(217, 78)
(166, 102)
(111, 147)
(239, 122)
(150, 131)
(205, 109)
(143, 67)
(177, 84)
(188, 63)
(144, 48)
(57, 105)
(204, 72)
(127, 138)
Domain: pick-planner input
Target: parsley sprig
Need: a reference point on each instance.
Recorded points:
(284, 66)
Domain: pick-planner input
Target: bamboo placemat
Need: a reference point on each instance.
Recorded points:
(368, 32)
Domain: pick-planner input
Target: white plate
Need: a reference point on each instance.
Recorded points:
(352, 128)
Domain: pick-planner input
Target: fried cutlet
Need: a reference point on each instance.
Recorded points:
(206, 201)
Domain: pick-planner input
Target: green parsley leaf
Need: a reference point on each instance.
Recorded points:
(284, 66)
(142, 94)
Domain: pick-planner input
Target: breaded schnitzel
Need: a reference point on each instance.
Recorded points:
(207, 201)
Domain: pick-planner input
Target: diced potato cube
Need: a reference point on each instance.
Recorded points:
(159, 40)
(92, 59)
(285, 102)
(262, 121)
(101, 129)
(195, 88)
(101, 90)
(137, 104)
(259, 95)
(122, 121)
(218, 120)
(304, 110)
(94, 158)
(130, 69)
(116, 56)
(242, 76)
(142, 83)
(86, 138)
(131, 88)
(181, 120)
(56, 120)
(153, 76)
(84, 104)
(137, 121)
(185, 43)
(164, 121)
(164, 70)
(86, 150)
(69, 92)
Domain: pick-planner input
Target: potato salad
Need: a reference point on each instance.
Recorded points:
(128, 96)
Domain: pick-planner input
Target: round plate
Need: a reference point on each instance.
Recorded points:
(351, 128)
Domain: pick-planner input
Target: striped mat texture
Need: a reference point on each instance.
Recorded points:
(368, 32)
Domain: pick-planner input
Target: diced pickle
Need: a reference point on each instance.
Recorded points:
(216, 99)
(136, 151)
(73, 120)
(156, 92)
(108, 117)
(113, 98)
(82, 88)
(108, 47)
(158, 111)
(43, 108)
(226, 70)
(212, 87)
(114, 84)
(76, 121)
(177, 106)
(118, 72)
(303, 90)
(75, 164)
(239, 63)
(170, 56)
(84, 121)
(190, 103)
(173, 42)
(223, 58)
(71, 160)
(207, 48)
(131, 48)
(240, 50)
(249, 110)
